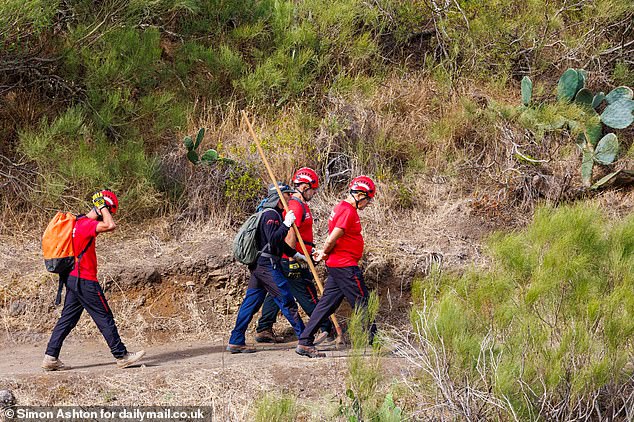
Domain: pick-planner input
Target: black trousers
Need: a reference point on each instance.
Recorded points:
(85, 294)
(303, 290)
(345, 282)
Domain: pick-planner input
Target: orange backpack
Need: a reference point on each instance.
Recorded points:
(57, 247)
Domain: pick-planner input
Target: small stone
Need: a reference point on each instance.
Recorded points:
(7, 399)
(17, 308)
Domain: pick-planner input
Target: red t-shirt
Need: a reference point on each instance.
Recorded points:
(349, 247)
(305, 227)
(85, 229)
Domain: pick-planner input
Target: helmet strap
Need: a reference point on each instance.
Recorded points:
(301, 192)
(356, 201)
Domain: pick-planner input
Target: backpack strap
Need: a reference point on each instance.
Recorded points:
(63, 277)
(311, 244)
(303, 208)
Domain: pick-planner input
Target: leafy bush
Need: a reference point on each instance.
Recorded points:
(546, 332)
(529, 35)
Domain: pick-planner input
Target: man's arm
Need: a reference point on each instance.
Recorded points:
(274, 232)
(291, 239)
(329, 244)
(334, 235)
(107, 225)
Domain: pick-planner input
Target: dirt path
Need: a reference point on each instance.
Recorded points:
(89, 357)
(182, 373)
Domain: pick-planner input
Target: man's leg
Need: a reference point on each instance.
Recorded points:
(356, 292)
(305, 293)
(70, 316)
(93, 299)
(326, 306)
(277, 286)
(250, 305)
(270, 308)
(269, 314)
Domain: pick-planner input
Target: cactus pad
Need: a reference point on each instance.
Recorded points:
(527, 90)
(568, 85)
(618, 94)
(618, 115)
(606, 150)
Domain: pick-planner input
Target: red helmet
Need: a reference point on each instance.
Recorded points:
(363, 184)
(112, 202)
(306, 175)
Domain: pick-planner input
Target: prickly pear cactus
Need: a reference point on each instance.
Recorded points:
(598, 99)
(209, 156)
(584, 97)
(586, 125)
(527, 90)
(199, 137)
(569, 84)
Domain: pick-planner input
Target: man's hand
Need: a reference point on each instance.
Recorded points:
(319, 255)
(98, 201)
(289, 219)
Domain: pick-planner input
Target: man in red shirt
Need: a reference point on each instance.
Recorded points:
(300, 279)
(342, 251)
(83, 290)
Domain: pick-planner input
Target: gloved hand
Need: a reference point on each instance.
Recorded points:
(299, 257)
(98, 201)
(289, 219)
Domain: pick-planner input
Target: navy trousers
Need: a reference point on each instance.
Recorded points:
(303, 290)
(265, 278)
(85, 294)
(345, 282)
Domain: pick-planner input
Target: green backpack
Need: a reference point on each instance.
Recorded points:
(245, 248)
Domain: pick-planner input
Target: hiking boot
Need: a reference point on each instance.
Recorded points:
(323, 336)
(267, 336)
(53, 364)
(237, 348)
(130, 359)
(309, 351)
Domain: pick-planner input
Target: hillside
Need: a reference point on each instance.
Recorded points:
(481, 122)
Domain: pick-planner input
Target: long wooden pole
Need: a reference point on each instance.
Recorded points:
(313, 270)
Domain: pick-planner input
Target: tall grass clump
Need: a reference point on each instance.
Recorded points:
(364, 398)
(545, 333)
(270, 408)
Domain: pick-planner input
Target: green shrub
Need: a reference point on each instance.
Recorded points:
(72, 156)
(22, 21)
(553, 313)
